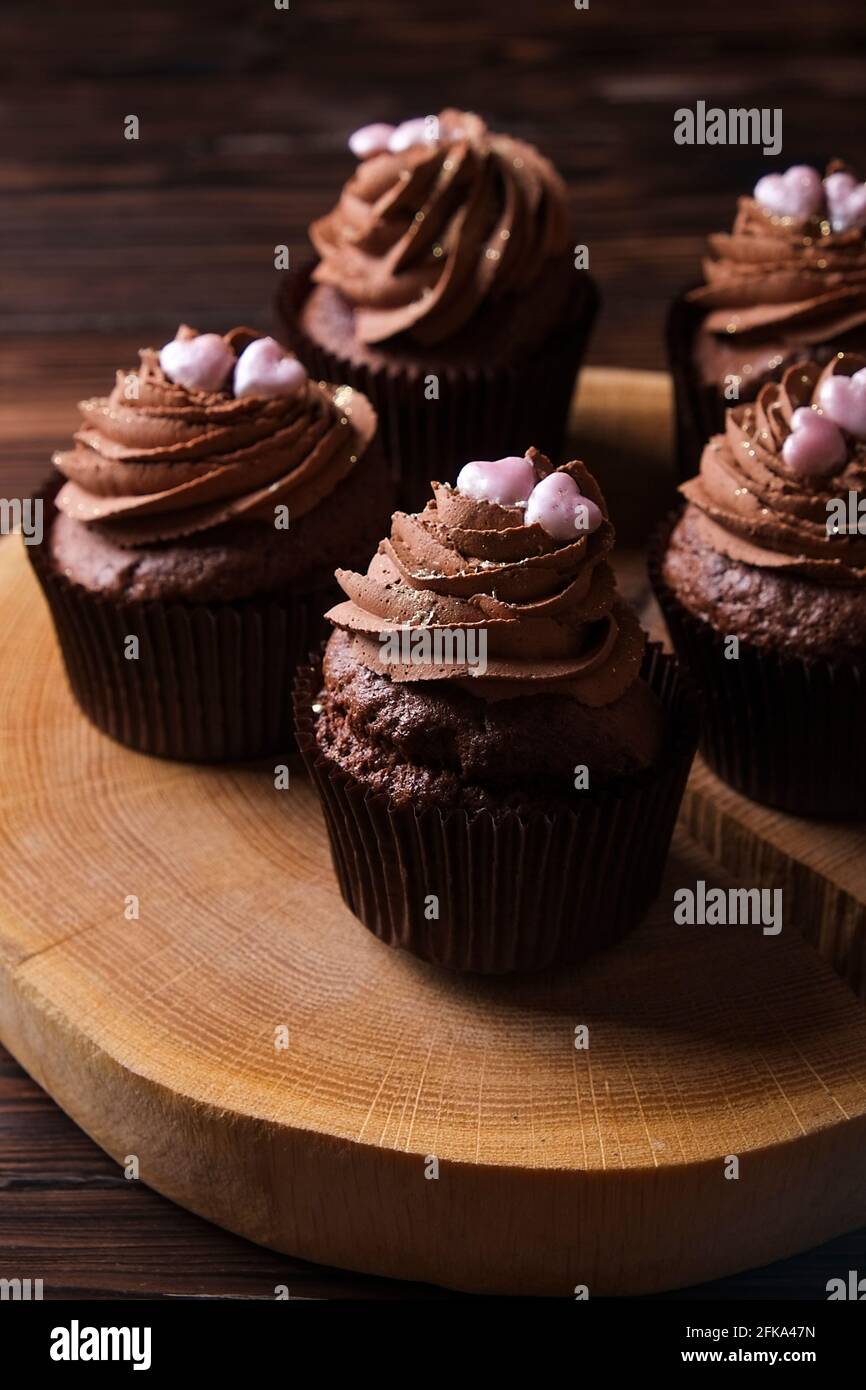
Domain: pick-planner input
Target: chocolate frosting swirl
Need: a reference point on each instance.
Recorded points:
(551, 612)
(793, 276)
(420, 239)
(755, 509)
(156, 461)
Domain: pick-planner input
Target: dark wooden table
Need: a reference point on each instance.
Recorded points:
(244, 110)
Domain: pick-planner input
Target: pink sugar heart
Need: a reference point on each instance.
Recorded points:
(408, 133)
(557, 505)
(796, 193)
(201, 363)
(507, 481)
(846, 201)
(843, 399)
(370, 139)
(815, 447)
(264, 369)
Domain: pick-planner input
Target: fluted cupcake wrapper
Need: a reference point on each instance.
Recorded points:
(502, 891)
(212, 682)
(481, 412)
(785, 730)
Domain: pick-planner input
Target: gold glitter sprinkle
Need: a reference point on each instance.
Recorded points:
(342, 396)
(448, 165)
(518, 163)
(437, 251)
(419, 217)
(491, 254)
(505, 234)
(353, 458)
(731, 327)
(825, 229)
(821, 263)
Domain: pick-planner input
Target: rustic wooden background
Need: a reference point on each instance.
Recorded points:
(244, 112)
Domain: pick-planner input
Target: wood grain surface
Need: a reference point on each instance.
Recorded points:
(157, 1034)
(630, 449)
(244, 113)
(67, 1216)
(244, 116)
(819, 865)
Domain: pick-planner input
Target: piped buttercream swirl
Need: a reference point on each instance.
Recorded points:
(157, 461)
(792, 276)
(423, 236)
(550, 609)
(755, 509)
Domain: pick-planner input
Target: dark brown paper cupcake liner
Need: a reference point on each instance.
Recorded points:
(516, 890)
(787, 731)
(212, 682)
(699, 413)
(484, 412)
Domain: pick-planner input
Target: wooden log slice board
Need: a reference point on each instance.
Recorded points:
(417, 1125)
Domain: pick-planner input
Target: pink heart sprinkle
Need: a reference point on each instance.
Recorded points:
(556, 505)
(815, 446)
(408, 133)
(370, 139)
(846, 201)
(843, 399)
(798, 192)
(507, 481)
(201, 363)
(265, 369)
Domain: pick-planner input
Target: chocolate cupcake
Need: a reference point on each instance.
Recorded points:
(788, 283)
(446, 290)
(762, 581)
(499, 757)
(188, 556)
